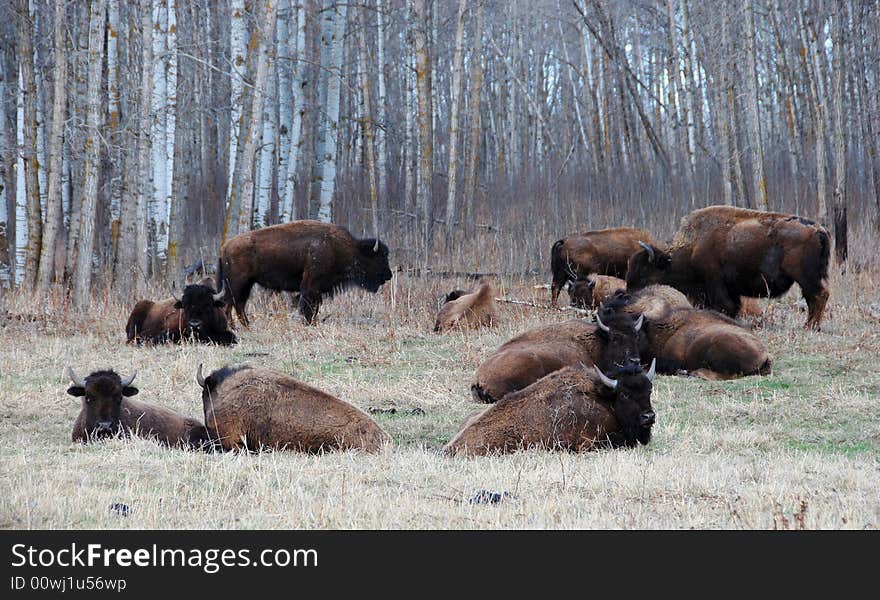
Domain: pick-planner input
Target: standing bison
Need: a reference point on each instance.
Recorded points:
(198, 314)
(313, 258)
(251, 409)
(605, 252)
(722, 253)
(610, 343)
(108, 409)
(576, 408)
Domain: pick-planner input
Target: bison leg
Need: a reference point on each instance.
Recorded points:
(720, 299)
(309, 303)
(816, 300)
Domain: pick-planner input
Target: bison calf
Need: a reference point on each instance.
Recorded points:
(576, 408)
(589, 293)
(467, 311)
(251, 409)
(198, 315)
(108, 410)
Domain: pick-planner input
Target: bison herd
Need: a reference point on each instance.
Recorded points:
(667, 308)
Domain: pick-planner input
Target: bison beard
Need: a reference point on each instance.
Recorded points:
(315, 259)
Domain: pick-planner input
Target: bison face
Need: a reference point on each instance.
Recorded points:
(629, 391)
(454, 295)
(581, 293)
(202, 309)
(647, 267)
(373, 269)
(102, 393)
(621, 334)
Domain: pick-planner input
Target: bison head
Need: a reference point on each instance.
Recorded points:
(647, 267)
(201, 308)
(372, 269)
(581, 293)
(621, 334)
(629, 392)
(102, 393)
(454, 295)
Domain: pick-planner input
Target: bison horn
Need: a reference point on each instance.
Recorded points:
(199, 378)
(649, 249)
(376, 246)
(602, 325)
(74, 378)
(127, 382)
(639, 322)
(219, 295)
(652, 371)
(612, 383)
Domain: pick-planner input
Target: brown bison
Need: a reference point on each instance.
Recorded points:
(702, 342)
(108, 410)
(250, 409)
(575, 408)
(610, 343)
(198, 315)
(605, 251)
(467, 311)
(313, 258)
(722, 253)
(589, 293)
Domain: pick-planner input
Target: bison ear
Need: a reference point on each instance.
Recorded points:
(129, 391)
(178, 305)
(591, 283)
(76, 390)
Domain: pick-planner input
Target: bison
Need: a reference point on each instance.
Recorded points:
(249, 409)
(722, 253)
(467, 311)
(605, 251)
(313, 258)
(702, 342)
(575, 408)
(198, 314)
(589, 293)
(610, 343)
(108, 410)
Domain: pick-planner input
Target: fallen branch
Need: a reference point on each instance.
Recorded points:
(579, 311)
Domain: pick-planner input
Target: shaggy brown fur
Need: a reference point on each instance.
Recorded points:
(468, 311)
(589, 293)
(605, 251)
(313, 258)
(250, 409)
(702, 342)
(108, 409)
(196, 315)
(569, 409)
(722, 253)
(529, 356)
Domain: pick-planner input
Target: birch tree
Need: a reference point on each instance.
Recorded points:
(367, 122)
(840, 199)
(423, 91)
(331, 122)
(759, 178)
(56, 138)
(452, 173)
(82, 277)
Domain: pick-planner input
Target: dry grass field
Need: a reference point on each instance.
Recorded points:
(797, 449)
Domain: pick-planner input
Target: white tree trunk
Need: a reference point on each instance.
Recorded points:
(238, 54)
(331, 124)
(454, 117)
(21, 231)
(381, 164)
(159, 110)
(298, 105)
(53, 198)
(82, 276)
(286, 24)
(269, 144)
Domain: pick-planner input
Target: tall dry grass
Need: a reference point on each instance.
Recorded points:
(800, 448)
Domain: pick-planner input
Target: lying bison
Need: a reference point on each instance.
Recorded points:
(467, 311)
(589, 293)
(108, 410)
(722, 253)
(610, 343)
(702, 342)
(198, 314)
(251, 409)
(605, 252)
(575, 408)
(313, 258)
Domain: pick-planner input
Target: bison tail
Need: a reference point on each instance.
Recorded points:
(824, 251)
(557, 264)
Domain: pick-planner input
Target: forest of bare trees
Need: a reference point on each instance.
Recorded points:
(136, 136)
